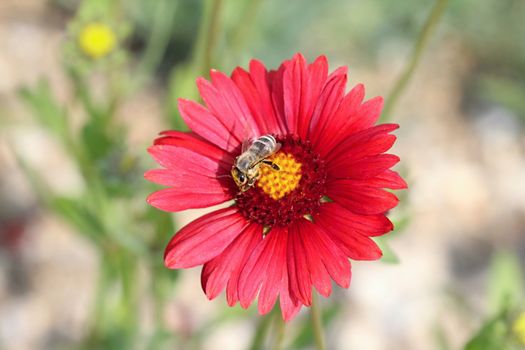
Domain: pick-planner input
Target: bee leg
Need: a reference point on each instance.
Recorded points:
(271, 164)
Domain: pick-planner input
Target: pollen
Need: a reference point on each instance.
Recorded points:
(97, 40)
(279, 183)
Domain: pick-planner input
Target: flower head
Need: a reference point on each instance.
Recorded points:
(97, 39)
(317, 194)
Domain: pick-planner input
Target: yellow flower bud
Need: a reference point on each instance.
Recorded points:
(97, 40)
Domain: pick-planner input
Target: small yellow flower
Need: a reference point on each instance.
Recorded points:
(519, 328)
(97, 39)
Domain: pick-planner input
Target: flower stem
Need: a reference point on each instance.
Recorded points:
(260, 333)
(421, 42)
(280, 328)
(317, 324)
(210, 28)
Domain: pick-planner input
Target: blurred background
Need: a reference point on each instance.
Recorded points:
(85, 86)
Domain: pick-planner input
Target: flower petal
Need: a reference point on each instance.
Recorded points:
(318, 273)
(327, 104)
(336, 129)
(333, 214)
(188, 196)
(187, 161)
(317, 75)
(209, 126)
(294, 82)
(298, 271)
(277, 93)
(354, 246)
(227, 100)
(361, 169)
(203, 239)
(368, 114)
(366, 143)
(387, 179)
(224, 269)
(197, 181)
(289, 305)
(360, 199)
(351, 231)
(271, 284)
(261, 80)
(259, 271)
(332, 257)
(196, 144)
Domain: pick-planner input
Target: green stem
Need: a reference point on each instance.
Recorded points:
(243, 28)
(207, 38)
(211, 35)
(160, 35)
(422, 41)
(280, 328)
(317, 324)
(261, 331)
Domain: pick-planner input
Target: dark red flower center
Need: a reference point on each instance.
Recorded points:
(279, 197)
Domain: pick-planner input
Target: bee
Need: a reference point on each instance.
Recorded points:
(245, 170)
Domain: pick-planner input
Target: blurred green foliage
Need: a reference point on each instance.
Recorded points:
(506, 298)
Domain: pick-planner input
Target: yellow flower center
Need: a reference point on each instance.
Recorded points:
(279, 183)
(519, 328)
(97, 40)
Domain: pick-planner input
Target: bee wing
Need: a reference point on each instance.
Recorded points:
(246, 143)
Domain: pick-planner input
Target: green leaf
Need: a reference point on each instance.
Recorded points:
(492, 335)
(45, 108)
(505, 282)
(79, 216)
(96, 141)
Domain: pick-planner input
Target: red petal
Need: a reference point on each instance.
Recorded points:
(230, 101)
(317, 75)
(369, 142)
(368, 114)
(294, 86)
(194, 143)
(193, 178)
(350, 231)
(232, 289)
(271, 284)
(361, 169)
(318, 272)
(256, 103)
(336, 129)
(289, 305)
(328, 102)
(182, 198)
(332, 257)
(298, 273)
(277, 93)
(360, 199)
(332, 214)
(225, 268)
(181, 158)
(387, 179)
(261, 80)
(209, 126)
(203, 239)
(255, 272)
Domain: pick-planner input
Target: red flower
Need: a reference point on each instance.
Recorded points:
(298, 225)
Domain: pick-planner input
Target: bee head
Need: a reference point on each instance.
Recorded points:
(239, 177)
